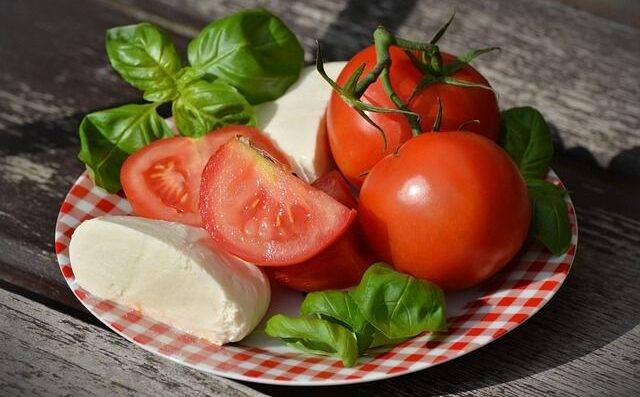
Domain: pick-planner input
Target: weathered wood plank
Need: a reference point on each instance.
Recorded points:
(45, 352)
(50, 73)
(579, 69)
(44, 107)
(584, 342)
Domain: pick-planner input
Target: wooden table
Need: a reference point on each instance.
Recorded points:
(580, 69)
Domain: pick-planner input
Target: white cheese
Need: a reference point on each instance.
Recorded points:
(171, 273)
(295, 121)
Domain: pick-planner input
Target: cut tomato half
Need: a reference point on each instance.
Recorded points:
(162, 180)
(343, 263)
(259, 211)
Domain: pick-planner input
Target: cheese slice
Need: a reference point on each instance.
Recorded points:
(295, 121)
(171, 273)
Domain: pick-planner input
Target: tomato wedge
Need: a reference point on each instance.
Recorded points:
(257, 210)
(162, 180)
(343, 263)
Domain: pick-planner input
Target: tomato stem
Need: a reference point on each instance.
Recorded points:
(353, 89)
(383, 39)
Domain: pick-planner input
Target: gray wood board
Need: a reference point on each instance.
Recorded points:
(45, 352)
(580, 70)
(51, 74)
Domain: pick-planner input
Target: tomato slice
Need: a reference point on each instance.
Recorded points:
(257, 210)
(162, 180)
(343, 263)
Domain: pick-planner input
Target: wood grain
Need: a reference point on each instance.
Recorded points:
(45, 352)
(579, 69)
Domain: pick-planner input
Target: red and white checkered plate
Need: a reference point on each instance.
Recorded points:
(475, 317)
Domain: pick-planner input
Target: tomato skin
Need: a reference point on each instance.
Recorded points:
(343, 263)
(339, 266)
(259, 211)
(187, 157)
(450, 207)
(334, 184)
(357, 146)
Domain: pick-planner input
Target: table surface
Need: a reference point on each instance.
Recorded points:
(579, 66)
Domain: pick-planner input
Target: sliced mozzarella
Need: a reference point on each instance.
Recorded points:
(172, 273)
(295, 121)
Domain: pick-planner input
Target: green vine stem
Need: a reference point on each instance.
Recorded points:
(352, 90)
(429, 62)
(383, 39)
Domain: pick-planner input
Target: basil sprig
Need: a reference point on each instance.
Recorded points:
(252, 50)
(386, 308)
(146, 58)
(247, 57)
(205, 105)
(399, 305)
(549, 218)
(525, 137)
(339, 307)
(108, 137)
(316, 336)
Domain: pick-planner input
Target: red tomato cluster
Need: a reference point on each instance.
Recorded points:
(450, 206)
(356, 144)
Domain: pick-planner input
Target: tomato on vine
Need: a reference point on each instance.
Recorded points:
(402, 85)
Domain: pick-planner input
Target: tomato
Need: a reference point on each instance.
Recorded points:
(162, 180)
(343, 263)
(259, 211)
(357, 145)
(449, 207)
(334, 185)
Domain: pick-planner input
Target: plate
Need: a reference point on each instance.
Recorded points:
(476, 317)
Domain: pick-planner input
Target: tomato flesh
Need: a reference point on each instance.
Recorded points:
(357, 146)
(162, 180)
(257, 210)
(449, 207)
(343, 263)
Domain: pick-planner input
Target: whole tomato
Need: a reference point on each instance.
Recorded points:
(449, 207)
(357, 146)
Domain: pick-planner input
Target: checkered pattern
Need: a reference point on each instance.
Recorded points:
(506, 301)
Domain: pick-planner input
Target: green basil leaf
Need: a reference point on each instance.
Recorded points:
(315, 335)
(203, 106)
(549, 216)
(145, 58)
(379, 340)
(399, 305)
(108, 137)
(252, 50)
(187, 75)
(525, 136)
(339, 307)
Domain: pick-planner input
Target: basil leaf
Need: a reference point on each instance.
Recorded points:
(549, 216)
(203, 106)
(525, 136)
(380, 340)
(108, 137)
(399, 305)
(315, 335)
(145, 58)
(339, 307)
(252, 50)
